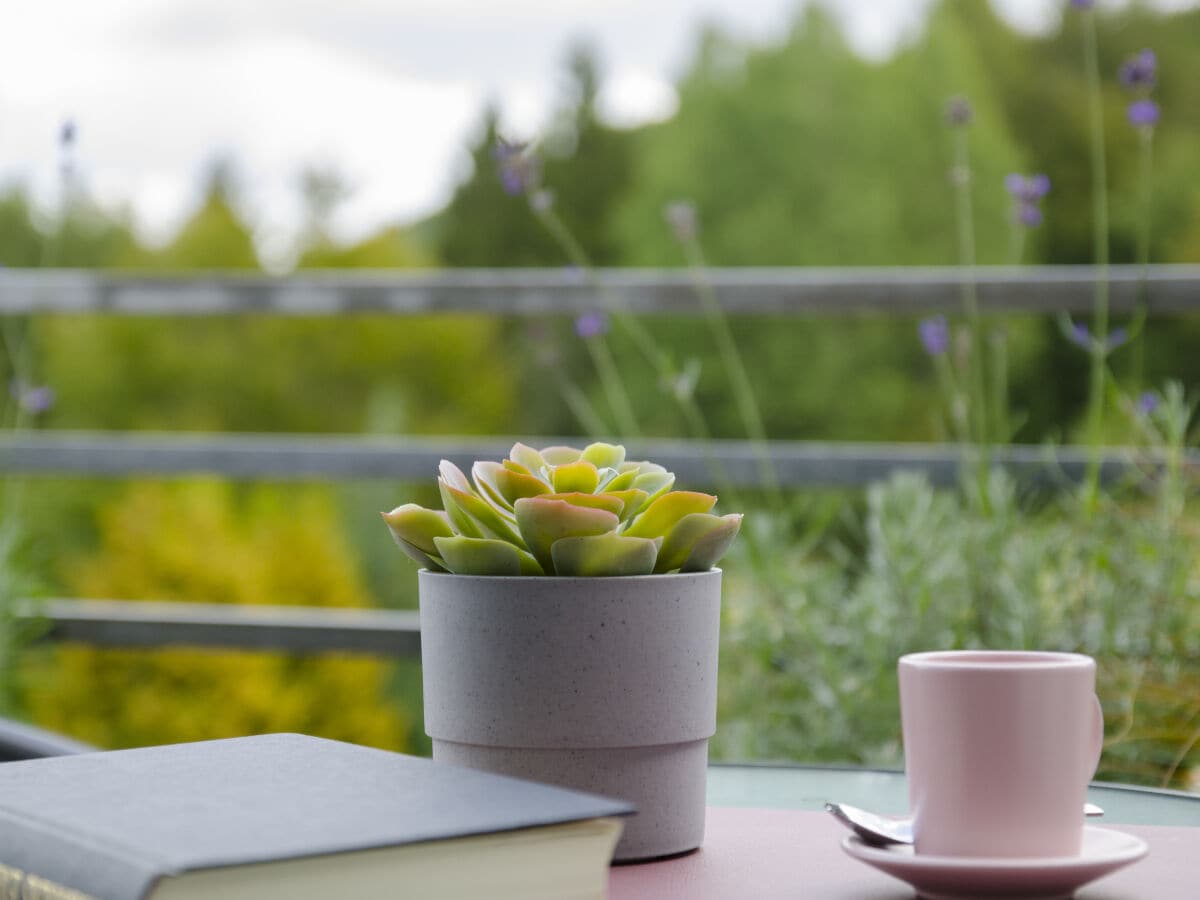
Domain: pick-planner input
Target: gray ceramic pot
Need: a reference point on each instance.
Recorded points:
(606, 685)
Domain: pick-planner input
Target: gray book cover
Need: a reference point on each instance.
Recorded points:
(112, 824)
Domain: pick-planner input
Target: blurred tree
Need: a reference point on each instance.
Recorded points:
(586, 165)
(215, 237)
(484, 226)
(204, 541)
(322, 191)
(20, 242)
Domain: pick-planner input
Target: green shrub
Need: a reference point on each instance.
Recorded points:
(206, 541)
(809, 669)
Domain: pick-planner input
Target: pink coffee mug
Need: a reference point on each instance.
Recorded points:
(999, 747)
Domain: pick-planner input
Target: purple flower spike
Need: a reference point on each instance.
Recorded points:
(1143, 113)
(590, 325)
(1140, 71)
(935, 335)
(958, 112)
(1027, 189)
(1083, 4)
(1029, 215)
(1147, 403)
(33, 399)
(1081, 336)
(1116, 338)
(519, 168)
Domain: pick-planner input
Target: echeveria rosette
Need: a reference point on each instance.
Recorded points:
(567, 512)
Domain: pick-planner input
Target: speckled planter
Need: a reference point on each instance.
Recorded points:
(606, 685)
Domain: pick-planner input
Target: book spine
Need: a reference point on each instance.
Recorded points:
(43, 861)
(16, 884)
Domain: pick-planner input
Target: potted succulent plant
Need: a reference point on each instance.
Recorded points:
(570, 616)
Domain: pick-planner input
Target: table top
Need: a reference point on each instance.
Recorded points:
(809, 787)
(790, 854)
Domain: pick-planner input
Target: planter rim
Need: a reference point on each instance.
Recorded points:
(564, 579)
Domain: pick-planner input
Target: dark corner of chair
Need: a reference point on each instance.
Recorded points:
(21, 741)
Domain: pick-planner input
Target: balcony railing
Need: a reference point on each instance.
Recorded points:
(775, 292)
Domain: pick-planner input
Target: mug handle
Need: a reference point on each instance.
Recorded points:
(1097, 742)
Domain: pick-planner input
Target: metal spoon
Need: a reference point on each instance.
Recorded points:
(879, 831)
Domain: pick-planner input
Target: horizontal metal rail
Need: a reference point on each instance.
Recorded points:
(304, 457)
(300, 630)
(541, 292)
(292, 629)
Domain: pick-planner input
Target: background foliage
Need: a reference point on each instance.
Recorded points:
(798, 152)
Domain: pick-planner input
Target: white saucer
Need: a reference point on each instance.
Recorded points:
(960, 878)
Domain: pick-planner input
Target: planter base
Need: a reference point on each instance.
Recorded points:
(666, 782)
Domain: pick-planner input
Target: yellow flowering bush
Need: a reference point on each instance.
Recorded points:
(207, 541)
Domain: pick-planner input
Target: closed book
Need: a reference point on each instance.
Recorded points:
(292, 816)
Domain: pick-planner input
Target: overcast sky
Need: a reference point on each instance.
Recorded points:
(386, 91)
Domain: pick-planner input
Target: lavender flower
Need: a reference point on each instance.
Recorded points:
(1147, 403)
(1028, 215)
(519, 167)
(1116, 338)
(1083, 4)
(958, 112)
(935, 335)
(1028, 189)
(33, 399)
(1140, 71)
(1081, 336)
(1143, 113)
(1027, 193)
(590, 325)
(681, 216)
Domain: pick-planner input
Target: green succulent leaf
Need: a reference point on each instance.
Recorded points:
(655, 484)
(515, 485)
(604, 456)
(459, 517)
(417, 526)
(504, 486)
(515, 467)
(621, 481)
(581, 477)
(661, 515)
(542, 521)
(594, 501)
(527, 458)
(428, 560)
(485, 556)
(697, 530)
(632, 501)
(474, 517)
(604, 555)
(483, 474)
(648, 468)
(454, 476)
(560, 456)
(712, 546)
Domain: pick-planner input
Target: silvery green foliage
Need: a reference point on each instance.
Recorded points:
(563, 511)
(809, 670)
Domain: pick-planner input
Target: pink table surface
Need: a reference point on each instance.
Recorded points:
(770, 854)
